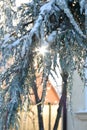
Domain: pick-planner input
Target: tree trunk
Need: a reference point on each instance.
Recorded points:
(62, 105)
(40, 118)
(59, 111)
(65, 76)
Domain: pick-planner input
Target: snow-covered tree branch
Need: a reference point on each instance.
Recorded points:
(56, 24)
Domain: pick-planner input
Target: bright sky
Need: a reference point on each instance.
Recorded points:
(19, 2)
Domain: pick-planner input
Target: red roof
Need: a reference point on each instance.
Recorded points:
(51, 95)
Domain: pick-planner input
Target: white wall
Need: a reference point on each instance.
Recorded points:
(78, 104)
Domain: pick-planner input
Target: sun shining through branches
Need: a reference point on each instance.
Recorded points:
(41, 50)
(40, 33)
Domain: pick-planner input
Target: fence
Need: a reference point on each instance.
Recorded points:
(29, 120)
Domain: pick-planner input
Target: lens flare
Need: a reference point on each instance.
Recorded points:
(42, 50)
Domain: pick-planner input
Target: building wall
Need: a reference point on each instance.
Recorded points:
(75, 122)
